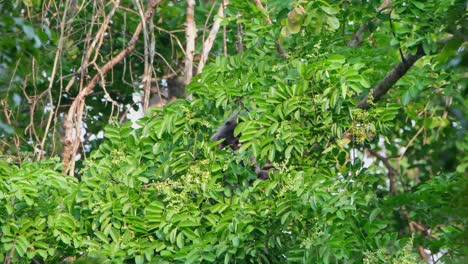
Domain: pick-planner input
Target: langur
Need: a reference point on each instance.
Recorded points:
(226, 132)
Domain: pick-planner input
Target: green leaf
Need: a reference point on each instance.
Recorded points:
(419, 5)
(329, 10)
(284, 218)
(235, 241)
(227, 258)
(333, 23)
(374, 214)
(22, 245)
(406, 98)
(180, 240)
(294, 28)
(101, 236)
(208, 256)
(340, 214)
(139, 259)
(336, 59)
(187, 223)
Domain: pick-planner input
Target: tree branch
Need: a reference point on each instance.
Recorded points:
(280, 50)
(239, 45)
(190, 36)
(392, 172)
(52, 78)
(413, 226)
(356, 40)
(74, 116)
(391, 78)
(208, 44)
(95, 44)
(258, 3)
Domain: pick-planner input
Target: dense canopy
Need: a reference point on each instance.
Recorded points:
(272, 131)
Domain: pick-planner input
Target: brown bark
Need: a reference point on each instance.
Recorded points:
(391, 78)
(52, 78)
(356, 40)
(190, 35)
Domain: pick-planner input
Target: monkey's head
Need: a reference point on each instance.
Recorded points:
(226, 132)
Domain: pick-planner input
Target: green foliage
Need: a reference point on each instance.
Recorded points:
(405, 255)
(165, 193)
(33, 216)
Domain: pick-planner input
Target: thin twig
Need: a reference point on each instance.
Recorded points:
(95, 44)
(410, 143)
(279, 49)
(259, 4)
(239, 45)
(208, 19)
(74, 116)
(208, 44)
(52, 78)
(392, 172)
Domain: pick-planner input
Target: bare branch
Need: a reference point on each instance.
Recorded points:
(410, 142)
(149, 47)
(96, 43)
(208, 19)
(208, 44)
(74, 116)
(52, 78)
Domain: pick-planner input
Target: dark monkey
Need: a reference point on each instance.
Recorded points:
(226, 132)
(173, 89)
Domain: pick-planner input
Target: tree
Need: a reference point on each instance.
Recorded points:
(358, 110)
